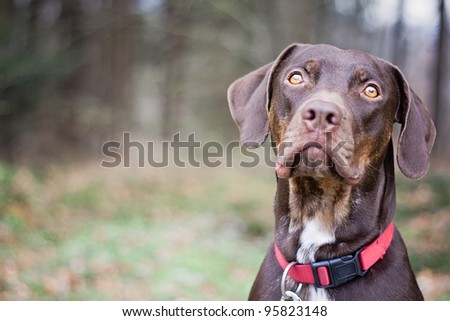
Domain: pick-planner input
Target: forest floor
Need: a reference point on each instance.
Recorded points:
(83, 232)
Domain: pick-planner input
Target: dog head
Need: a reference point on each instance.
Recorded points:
(330, 113)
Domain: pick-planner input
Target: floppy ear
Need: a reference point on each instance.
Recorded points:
(249, 100)
(417, 132)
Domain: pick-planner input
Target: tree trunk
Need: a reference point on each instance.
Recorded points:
(20, 31)
(441, 112)
(174, 67)
(399, 43)
(119, 92)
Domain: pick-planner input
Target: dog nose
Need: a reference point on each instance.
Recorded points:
(321, 115)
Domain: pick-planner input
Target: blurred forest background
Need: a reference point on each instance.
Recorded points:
(75, 74)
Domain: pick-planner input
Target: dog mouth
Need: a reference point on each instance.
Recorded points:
(314, 158)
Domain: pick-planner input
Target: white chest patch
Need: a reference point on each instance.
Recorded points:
(314, 235)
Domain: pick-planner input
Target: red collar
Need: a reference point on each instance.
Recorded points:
(333, 272)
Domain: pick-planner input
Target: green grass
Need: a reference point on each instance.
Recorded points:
(431, 194)
(423, 216)
(130, 234)
(87, 233)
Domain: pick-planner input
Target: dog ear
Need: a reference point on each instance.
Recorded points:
(249, 100)
(417, 131)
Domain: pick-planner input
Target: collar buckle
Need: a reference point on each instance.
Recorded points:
(333, 272)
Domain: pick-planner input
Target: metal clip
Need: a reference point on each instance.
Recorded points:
(289, 295)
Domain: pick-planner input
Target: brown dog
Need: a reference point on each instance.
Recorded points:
(330, 113)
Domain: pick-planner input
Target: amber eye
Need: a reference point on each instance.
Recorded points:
(296, 79)
(371, 92)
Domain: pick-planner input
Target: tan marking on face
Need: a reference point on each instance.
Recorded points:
(326, 95)
(277, 126)
(369, 150)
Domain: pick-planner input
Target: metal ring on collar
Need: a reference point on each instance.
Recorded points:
(288, 295)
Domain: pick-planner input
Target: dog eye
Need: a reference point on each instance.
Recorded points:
(371, 91)
(296, 79)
